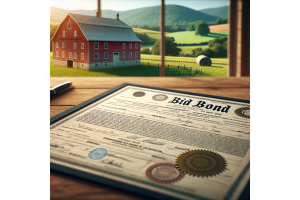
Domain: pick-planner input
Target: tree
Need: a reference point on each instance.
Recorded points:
(201, 28)
(145, 50)
(170, 45)
(142, 36)
(190, 27)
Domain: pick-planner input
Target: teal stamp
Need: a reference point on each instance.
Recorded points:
(97, 154)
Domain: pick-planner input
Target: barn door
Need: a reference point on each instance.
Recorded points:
(116, 59)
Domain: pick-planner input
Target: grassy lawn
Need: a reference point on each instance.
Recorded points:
(215, 70)
(190, 37)
(188, 49)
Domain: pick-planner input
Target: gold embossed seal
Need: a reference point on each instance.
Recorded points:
(200, 163)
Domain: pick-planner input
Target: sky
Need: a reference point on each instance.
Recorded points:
(121, 5)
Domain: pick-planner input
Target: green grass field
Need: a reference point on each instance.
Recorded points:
(190, 37)
(215, 70)
(188, 49)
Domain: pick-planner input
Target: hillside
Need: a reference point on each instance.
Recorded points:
(141, 16)
(220, 12)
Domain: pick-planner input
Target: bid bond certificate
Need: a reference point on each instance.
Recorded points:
(181, 145)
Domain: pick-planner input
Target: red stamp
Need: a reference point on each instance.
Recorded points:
(164, 173)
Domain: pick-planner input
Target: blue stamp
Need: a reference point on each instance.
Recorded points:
(97, 154)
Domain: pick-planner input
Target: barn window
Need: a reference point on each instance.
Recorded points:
(75, 45)
(130, 54)
(82, 45)
(106, 45)
(82, 56)
(96, 65)
(96, 56)
(64, 33)
(57, 53)
(96, 45)
(136, 54)
(75, 55)
(105, 55)
(69, 25)
(75, 33)
(105, 64)
(124, 45)
(57, 45)
(63, 45)
(123, 63)
(63, 54)
(136, 45)
(70, 54)
(75, 62)
(130, 45)
(124, 54)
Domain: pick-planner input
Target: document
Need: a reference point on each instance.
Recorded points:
(177, 144)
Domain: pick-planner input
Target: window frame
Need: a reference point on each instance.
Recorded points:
(130, 54)
(75, 55)
(95, 45)
(63, 54)
(130, 45)
(70, 54)
(136, 45)
(82, 45)
(107, 55)
(69, 23)
(124, 54)
(62, 45)
(106, 43)
(64, 33)
(57, 53)
(57, 45)
(124, 45)
(136, 54)
(75, 45)
(95, 56)
(82, 56)
(75, 33)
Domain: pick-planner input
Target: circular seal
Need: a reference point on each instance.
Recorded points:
(164, 173)
(200, 163)
(97, 154)
(139, 94)
(160, 97)
(243, 112)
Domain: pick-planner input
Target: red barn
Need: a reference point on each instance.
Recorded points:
(92, 43)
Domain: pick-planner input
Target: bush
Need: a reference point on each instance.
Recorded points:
(201, 28)
(146, 50)
(170, 45)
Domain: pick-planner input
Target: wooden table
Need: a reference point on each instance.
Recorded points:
(67, 187)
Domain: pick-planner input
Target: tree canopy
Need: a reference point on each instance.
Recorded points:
(170, 45)
(201, 28)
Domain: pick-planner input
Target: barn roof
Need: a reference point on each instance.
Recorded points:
(104, 29)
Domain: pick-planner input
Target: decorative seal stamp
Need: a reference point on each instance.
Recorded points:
(97, 154)
(139, 94)
(164, 173)
(243, 112)
(200, 163)
(160, 97)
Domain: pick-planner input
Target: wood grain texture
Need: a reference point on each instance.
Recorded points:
(67, 187)
(165, 82)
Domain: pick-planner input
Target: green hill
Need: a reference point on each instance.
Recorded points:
(141, 16)
(220, 12)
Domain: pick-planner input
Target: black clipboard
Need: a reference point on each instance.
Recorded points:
(123, 186)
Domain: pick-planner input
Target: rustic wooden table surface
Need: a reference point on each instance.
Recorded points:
(67, 187)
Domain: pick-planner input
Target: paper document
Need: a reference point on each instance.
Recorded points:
(181, 145)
